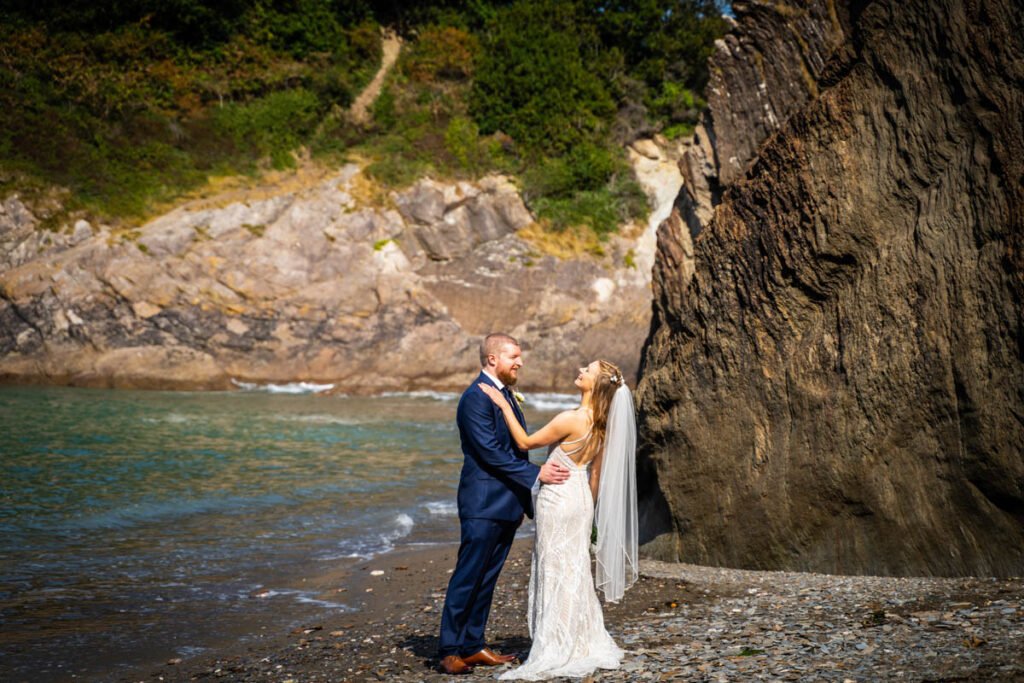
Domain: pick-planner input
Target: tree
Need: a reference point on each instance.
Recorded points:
(661, 40)
(539, 78)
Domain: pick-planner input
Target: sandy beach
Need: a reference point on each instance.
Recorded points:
(680, 622)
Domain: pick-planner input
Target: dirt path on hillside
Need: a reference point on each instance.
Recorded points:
(391, 45)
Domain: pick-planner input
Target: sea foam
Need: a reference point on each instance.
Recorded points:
(443, 396)
(549, 401)
(289, 388)
(442, 508)
(369, 546)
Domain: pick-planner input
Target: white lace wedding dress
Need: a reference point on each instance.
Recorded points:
(565, 618)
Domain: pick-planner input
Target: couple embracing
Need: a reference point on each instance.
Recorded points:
(589, 475)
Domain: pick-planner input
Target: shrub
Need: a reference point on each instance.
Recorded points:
(128, 103)
(662, 40)
(601, 209)
(273, 125)
(586, 166)
(551, 178)
(110, 102)
(593, 165)
(441, 53)
(462, 139)
(593, 209)
(383, 109)
(534, 82)
(677, 106)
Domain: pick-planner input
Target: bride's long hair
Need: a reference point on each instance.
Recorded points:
(608, 381)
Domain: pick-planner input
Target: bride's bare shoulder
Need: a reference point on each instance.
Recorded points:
(575, 417)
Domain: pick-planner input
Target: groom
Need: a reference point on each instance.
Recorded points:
(494, 493)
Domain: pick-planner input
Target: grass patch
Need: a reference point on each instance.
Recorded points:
(566, 243)
(629, 260)
(365, 190)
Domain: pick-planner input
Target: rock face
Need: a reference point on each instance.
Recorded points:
(839, 386)
(760, 75)
(315, 285)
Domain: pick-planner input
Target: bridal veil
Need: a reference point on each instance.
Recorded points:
(616, 512)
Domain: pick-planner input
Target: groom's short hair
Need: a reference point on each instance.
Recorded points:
(492, 344)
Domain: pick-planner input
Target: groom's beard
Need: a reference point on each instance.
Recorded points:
(507, 379)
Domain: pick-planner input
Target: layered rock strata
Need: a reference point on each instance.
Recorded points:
(840, 385)
(762, 72)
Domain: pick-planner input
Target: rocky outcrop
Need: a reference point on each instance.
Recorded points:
(313, 284)
(840, 385)
(761, 73)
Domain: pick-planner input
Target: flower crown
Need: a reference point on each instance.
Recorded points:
(615, 379)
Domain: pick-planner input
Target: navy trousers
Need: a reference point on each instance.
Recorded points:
(482, 552)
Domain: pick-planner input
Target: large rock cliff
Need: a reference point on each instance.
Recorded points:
(320, 279)
(839, 385)
(761, 73)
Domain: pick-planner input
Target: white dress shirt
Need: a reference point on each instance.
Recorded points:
(501, 386)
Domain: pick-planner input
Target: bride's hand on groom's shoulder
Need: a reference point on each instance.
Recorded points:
(494, 394)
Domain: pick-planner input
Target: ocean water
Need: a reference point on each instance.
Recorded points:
(141, 526)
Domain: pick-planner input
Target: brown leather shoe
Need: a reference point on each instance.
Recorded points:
(454, 665)
(488, 657)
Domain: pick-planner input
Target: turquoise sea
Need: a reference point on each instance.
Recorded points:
(141, 526)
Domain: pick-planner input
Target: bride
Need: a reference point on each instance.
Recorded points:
(596, 441)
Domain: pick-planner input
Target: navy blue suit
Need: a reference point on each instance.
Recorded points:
(494, 493)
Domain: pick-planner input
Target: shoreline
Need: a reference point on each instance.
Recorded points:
(679, 622)
(393, 633)
(227, 385)
(314, 388)
(403, 602)
(178, 526)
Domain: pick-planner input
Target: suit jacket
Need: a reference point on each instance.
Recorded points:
(496, 476)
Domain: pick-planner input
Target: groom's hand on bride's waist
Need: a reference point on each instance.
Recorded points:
(553, 473)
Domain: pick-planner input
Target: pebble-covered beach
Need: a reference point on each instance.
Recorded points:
(679, 623)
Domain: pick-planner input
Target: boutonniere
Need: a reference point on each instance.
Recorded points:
(520, 399)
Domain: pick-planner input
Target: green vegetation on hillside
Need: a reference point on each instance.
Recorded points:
(129, 108)
(127, 105)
